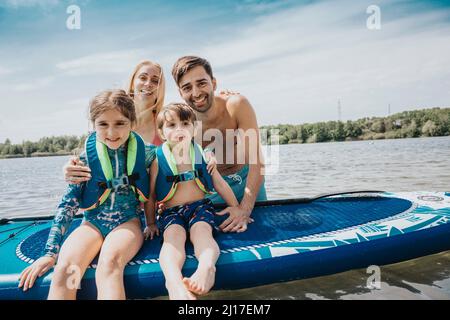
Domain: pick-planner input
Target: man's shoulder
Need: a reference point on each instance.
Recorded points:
(236, 104)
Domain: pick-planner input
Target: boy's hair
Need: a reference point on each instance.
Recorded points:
(182, 110)
(184, 64)
(115, 99)
(161, 86)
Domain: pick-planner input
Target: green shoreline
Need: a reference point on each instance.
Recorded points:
(431, 122)
(42, 155)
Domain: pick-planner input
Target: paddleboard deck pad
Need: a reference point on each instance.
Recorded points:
(289, 240)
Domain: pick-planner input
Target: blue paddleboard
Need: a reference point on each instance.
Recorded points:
(290, 239)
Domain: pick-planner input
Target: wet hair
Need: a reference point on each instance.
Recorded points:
(161, 85)
(112, 100)
(182, 110)
(184, 64)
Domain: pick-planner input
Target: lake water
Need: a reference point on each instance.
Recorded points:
(34, 186)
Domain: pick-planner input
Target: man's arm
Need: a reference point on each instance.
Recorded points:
(245, 116)
(248, 125)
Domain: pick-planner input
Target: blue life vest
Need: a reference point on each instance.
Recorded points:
(168, 176)
(99, 187)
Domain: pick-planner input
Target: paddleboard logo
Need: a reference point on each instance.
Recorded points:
(430, 198)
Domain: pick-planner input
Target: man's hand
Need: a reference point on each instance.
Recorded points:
(237, 221)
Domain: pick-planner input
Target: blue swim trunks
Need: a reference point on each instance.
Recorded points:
(187, 215)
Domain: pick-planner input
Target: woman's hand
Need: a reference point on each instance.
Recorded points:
(37, 269)
(75, 171)
(150, 231)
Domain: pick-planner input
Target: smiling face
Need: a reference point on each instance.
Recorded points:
(146, 83)
(113, 128)
(174, 130)
(197, 89)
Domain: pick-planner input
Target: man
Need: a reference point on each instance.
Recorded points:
(239, 155)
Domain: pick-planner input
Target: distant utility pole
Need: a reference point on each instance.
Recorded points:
(339, 110)
(389, 109)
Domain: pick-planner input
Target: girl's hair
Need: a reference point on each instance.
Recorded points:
(161, 90)
(115, 99)
(182, 110)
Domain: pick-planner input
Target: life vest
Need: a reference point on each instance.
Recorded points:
(99, 187)
(168, 176)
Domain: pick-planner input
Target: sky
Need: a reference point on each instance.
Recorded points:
(294, 60)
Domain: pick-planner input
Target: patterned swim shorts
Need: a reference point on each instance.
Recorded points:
(187, 215)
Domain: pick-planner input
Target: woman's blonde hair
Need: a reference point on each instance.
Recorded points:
(161, 90)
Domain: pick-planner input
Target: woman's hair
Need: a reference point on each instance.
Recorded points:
(115, 99)
(161, 90)
(182, 110)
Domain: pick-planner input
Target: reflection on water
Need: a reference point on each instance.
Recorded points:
(419, 279)
(34, 187)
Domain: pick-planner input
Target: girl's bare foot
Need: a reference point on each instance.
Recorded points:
(201, 281)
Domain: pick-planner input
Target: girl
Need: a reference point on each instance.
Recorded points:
(179, 182)
(111, 200)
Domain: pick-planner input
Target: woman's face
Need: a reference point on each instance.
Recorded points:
(112, 128)
(146, 83)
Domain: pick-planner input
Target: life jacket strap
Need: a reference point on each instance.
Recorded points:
(123, 180)
(185, 176)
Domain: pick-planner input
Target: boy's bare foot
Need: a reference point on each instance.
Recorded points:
(179, 292)
(201, 281)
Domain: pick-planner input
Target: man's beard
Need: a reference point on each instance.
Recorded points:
(206, 107)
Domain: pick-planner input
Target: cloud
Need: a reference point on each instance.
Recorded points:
(5, 71)
(260, 6)
(28, 3)
(302, 60)
(102, 63)
(37, 84)
(69, 119)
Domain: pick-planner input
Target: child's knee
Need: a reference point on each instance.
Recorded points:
(200, 229)
(109, 265)
(65, 272)
(175, 233)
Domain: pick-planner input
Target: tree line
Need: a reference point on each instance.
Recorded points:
(48, 146)
(408, 124)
